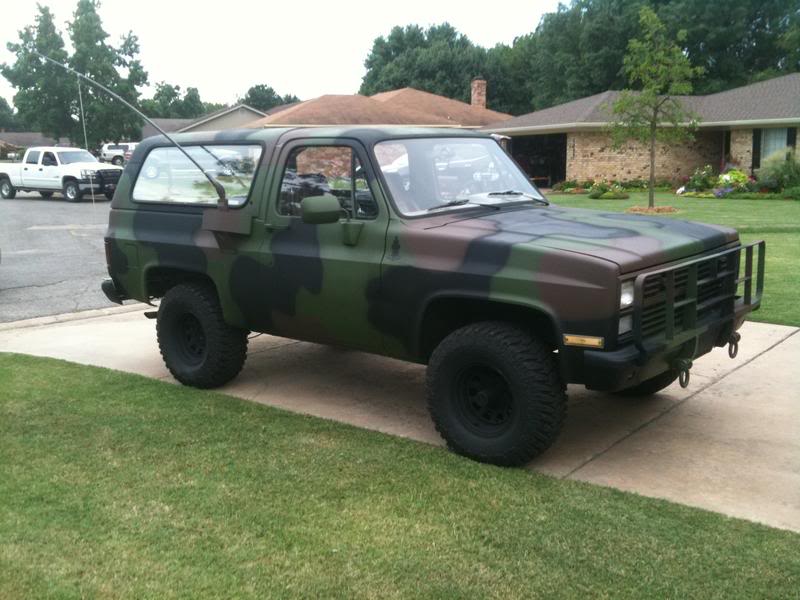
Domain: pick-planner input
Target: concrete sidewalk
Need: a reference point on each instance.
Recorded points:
(729, 443)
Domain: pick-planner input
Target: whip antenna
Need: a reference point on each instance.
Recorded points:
(85, 139)
(218, 187)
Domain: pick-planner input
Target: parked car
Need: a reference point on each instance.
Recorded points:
(115, 153)
(430, 246)
(49, 169)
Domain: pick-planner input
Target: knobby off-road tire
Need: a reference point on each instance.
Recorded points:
(651, 386)
(197, 346)
(7, 189)
(72, 191)
(495, 393)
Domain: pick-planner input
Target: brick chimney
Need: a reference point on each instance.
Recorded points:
(478, 92)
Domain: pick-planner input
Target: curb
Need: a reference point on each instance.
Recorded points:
(76, 316)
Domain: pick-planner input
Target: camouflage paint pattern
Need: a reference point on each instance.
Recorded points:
(367, 284)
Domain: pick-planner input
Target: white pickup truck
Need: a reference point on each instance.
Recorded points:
(48, 169)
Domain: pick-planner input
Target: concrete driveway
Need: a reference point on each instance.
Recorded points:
(729, 443)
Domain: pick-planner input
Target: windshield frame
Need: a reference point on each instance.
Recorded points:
(60, 153)
(460, 208)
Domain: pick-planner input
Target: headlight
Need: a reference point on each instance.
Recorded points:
(626, 294)
(88, 174)
(625, 324)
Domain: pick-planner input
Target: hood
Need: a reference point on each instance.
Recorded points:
(94, 166)
(632, 242)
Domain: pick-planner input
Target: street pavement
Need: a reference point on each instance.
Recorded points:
(52, 256)
(729, 443)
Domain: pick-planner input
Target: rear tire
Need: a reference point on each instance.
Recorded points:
(46, 195)
(651, 386)
(7, 190)
(495, 394)
(109, 195)
(197, 346)
(72, 191)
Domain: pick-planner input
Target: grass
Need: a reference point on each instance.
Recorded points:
(776, 221)
(113, 485)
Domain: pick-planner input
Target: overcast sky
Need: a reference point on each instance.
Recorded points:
(305, 48)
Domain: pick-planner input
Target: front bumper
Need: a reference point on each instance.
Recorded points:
(694, 322)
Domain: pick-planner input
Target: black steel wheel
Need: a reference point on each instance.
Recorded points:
(197, 346)
(495, 393)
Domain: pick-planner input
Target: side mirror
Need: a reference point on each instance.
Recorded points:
(318, 210)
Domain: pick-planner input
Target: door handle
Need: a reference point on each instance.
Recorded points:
(40, 168)
(24, 168)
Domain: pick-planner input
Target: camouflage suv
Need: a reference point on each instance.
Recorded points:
(425, 245)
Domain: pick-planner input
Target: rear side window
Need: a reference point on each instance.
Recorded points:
(33, 157)
(168, 176)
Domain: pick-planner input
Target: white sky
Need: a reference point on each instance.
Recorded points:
(306, 48)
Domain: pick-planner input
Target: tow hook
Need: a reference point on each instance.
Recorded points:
(683, 365)
(733, 344)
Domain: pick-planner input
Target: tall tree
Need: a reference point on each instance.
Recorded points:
(439, 60)
(45, 94)
(262, 97)
(8, 120)
(105, 118)
(167, 102)
(657, 66)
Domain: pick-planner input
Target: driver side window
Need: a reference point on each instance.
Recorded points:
(332, 170)
(49, 160)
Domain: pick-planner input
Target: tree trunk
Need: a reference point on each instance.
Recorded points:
(651, 199)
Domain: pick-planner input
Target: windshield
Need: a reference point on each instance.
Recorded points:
(424, 174)
(75, 156)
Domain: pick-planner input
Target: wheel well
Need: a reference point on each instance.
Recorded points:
(160, 279)
(445, 315)
(67, 178)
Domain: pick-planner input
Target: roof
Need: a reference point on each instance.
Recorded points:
(349, 110)
(768, 102)
(219, 113)
(56, 148)
(26, 139)
(405, 106)
(466, 115)
(280, 107)
(167, 125)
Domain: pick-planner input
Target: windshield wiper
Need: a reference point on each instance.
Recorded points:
(527, 196)
(461, 202)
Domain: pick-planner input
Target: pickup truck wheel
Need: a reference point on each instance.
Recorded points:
(651, 386)
(495, 394)
(117, 160)
(7, 190)
(72, 191)
(197, 346)
(109, 195)
(46, 194)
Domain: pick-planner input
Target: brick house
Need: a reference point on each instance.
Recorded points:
(740, 126)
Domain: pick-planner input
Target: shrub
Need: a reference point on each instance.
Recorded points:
(607, 191)
(734, 179)
(702, 179)
(565, 185)
(780, 170)
(792, 193)
(598, 189)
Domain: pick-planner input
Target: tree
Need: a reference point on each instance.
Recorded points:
(8, 120)
(262, 97)
(45, 93)
(658, 66)
(439, 60)
(105, 118)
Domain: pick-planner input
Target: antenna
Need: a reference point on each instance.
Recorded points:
(223, 200)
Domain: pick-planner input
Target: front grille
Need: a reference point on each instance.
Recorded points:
(674, 303)
(109, 175)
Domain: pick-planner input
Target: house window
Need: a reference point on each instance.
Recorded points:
(773, 140)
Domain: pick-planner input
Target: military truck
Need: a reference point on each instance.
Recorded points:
(426, 245)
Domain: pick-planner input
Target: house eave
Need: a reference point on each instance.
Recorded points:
(597, 126)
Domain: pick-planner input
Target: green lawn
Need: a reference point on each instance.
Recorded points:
(776, 221)
(113, 485)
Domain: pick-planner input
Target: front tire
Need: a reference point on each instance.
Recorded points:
(72, 191)
(495, 394)
(650, 386)
(197, 346)
(7, 190)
